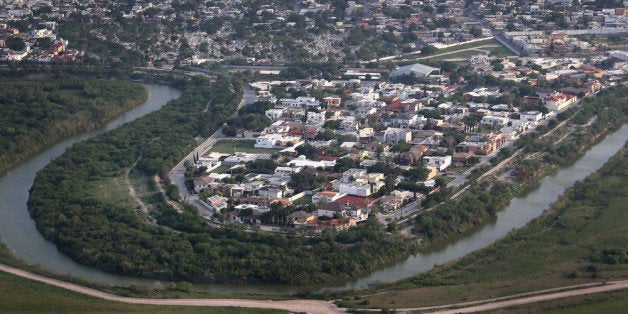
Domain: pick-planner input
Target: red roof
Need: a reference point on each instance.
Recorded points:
(358, 201)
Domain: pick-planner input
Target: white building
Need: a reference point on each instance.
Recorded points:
(274, 114)
(287, 171)
(439, 162)
(558, 102)
(302, 161)
(494, 122)
(355, 188)
(316, 117)
(531, 116)
(300, 102)
(417, 69)
(396, 135)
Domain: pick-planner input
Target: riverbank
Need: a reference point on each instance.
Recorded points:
(573, 242)
(538, 155)
(37, 114)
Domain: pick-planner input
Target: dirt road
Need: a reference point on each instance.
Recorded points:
(546, 295)
(308, 306)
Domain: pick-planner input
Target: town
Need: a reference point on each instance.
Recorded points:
(364, 147)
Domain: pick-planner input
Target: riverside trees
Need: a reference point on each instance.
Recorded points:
(116, 238)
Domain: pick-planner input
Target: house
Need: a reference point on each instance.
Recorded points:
(559, 101)
(343, 210)
(439, 162)
(217, 202)
(531, 116)
(332, 102)
(395, 135)
(275, 113)
(326, 196)
(300, 218)
(308, 102)
(391, 202)
(273, 140)
(241, 157)
(202, 182)
(412, 156)
(494, 122)
(287, 171)
(356, 188)
(302, 161)
(461, 159)
(316, 117)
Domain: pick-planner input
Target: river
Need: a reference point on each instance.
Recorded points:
(18, 231)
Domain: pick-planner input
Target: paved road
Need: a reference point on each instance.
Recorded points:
(308, 306)
(177, 174)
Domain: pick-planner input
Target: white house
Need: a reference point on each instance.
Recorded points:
(396, 135)
(558, 102)
(287, 171)
(274, 114)
(494, 122)
(302, 161)
(439, 162)
(300, 102)
(316, 117)
(531, 116)
(326, 196)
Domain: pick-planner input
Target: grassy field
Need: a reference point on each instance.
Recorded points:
(609, 302)
(231, 146)
(22, 295)
(557, 249)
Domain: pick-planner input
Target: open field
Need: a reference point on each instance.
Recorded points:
(563, 247)
(488, 46)
(231, 146)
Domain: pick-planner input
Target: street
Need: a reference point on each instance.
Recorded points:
(177, 174)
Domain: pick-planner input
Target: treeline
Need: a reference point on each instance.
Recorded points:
(454, 217)
(607, 111)
(34, 114)
(114, 238)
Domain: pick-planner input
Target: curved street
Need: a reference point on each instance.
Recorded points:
(308, 306)
(324, 307)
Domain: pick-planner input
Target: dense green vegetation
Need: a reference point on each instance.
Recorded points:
(115, 238)
(34, 114)
(606, 112)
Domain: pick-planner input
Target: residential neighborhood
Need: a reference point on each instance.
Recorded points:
(374, 147)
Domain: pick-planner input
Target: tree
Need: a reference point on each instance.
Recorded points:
(429, 50)
(15, 43)
(475, 32)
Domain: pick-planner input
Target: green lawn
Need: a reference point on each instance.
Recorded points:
(554, 250)
(231, 146)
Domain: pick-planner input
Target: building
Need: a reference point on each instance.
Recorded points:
(558, 101)
(439, 162)
(302, 161)
(494, 122)
(531, 116)
(286, 171)
(416, 69)
(395, 135)
(344, 210)
(325, 197)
